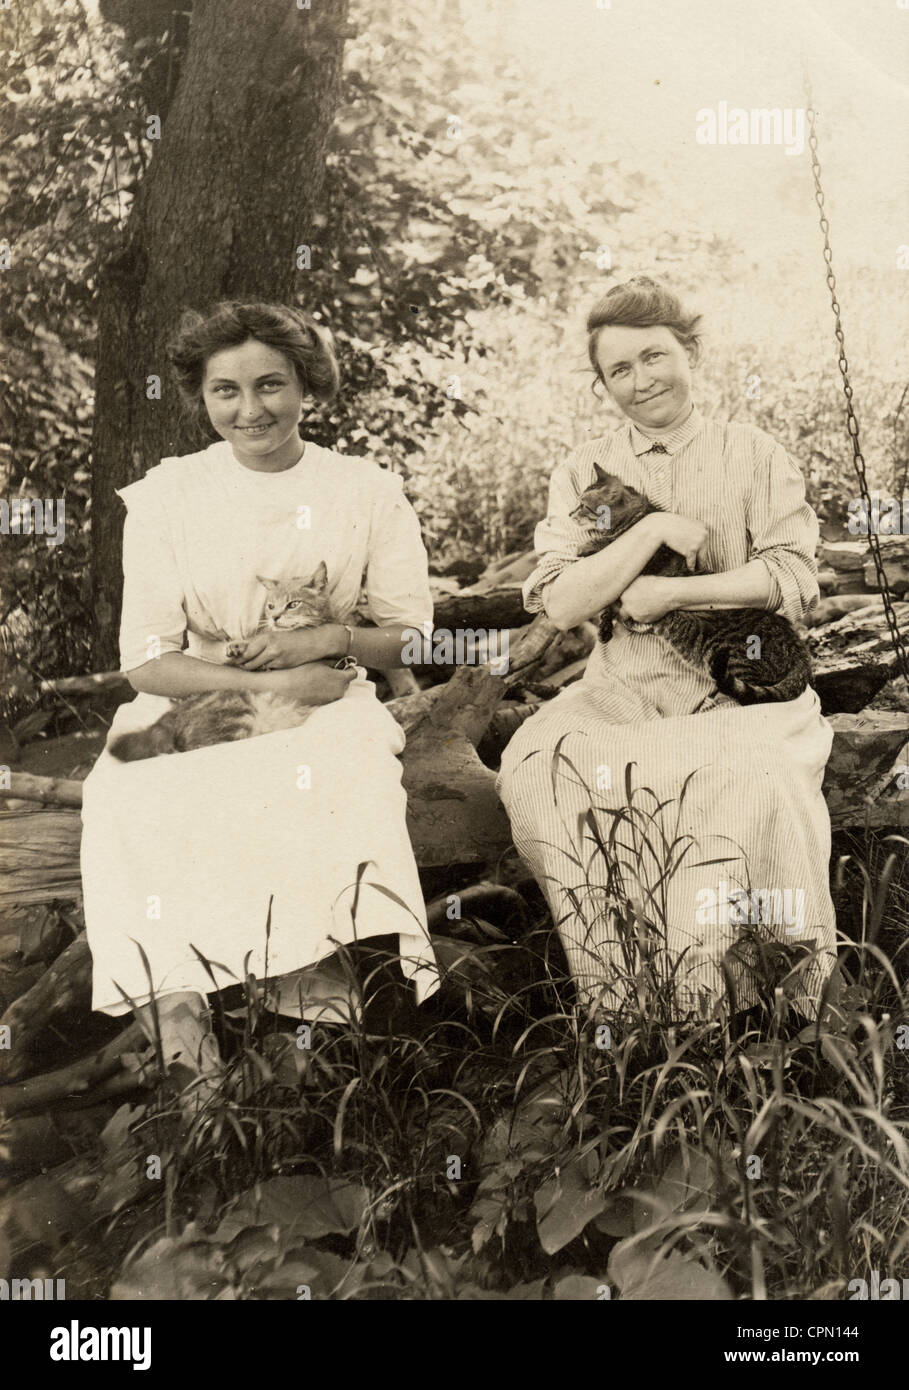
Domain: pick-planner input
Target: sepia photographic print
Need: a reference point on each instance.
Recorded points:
(454, 634)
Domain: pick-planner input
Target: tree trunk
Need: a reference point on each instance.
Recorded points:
(231, 192)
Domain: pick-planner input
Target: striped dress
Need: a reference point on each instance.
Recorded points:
(642, 785)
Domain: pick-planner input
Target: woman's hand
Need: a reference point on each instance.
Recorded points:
(316, 683)
(647, 598)
(274, 650)
(684, 536)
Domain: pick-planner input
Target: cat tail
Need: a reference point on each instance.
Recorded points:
(779, 691)
(746, 692)
(144, 743)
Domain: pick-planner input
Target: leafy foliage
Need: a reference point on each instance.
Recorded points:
(67, 169)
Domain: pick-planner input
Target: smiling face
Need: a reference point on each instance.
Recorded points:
(254, 401)
(647, 372)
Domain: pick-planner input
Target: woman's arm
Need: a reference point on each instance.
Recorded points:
(783, 527)
(381, 649)
(781, 573)
(174, 674)
(749, 586)
(588, 585)
(651, 596)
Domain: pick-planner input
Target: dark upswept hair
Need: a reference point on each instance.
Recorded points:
(309, 346)
(642, 302)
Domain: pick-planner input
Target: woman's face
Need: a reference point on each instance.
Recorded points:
(254, 401)
(647, 372)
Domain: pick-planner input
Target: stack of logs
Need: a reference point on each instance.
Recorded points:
(456, 731)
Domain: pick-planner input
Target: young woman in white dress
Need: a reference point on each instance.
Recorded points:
(185, 857)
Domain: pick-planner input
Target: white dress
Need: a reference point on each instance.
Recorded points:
(182, 855)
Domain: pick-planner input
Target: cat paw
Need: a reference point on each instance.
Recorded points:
(235, 650)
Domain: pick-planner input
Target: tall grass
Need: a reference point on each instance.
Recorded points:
(493, 1147)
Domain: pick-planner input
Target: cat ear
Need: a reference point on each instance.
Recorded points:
(320, 578)
(267, 583)
(601, 473)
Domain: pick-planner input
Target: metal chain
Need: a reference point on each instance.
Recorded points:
(851, 421)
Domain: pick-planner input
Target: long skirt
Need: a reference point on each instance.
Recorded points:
(695, 848)
(259, 857)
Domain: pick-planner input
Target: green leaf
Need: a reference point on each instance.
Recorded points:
(520, 1292)
(305, 1207)
(577, 1288)
(618, 1218)
(565, 1205)
(328, 1276)
(687, 1182)
(643, 1274)
(188, 1269)
(256, 1243)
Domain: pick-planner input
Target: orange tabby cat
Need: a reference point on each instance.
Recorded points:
(223, 716)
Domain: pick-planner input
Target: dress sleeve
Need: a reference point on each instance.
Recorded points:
(397, 567)
(152, 619)
(784, 530)
(558, 539)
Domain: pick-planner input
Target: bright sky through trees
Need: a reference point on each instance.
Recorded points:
(640, 70)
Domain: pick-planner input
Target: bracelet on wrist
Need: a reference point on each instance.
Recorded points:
(346, 659)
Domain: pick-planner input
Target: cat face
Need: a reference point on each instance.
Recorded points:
(294, 603)
(611, 504)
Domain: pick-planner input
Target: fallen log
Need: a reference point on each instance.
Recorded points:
(853, 658)
(567, 649)
(51, 791)
(64, 986)
(453, 813)
(408, 710)
(513, 568)
(401, 682)
(513, 652)
(492, 902)
(492, 609)
(869, 758)
(527, 654)
(829, 610)
(87, 685)
(896, 572)
(17, 978)
(506, 721)
(852, 563)
(39, 855)
(842, 556)
(32, 1143)
(75, 1081)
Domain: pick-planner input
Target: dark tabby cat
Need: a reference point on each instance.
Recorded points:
(713, 640)
(223, 716)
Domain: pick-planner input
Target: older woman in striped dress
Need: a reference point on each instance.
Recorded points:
(642, 784)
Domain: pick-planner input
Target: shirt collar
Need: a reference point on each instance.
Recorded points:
(672, 442)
